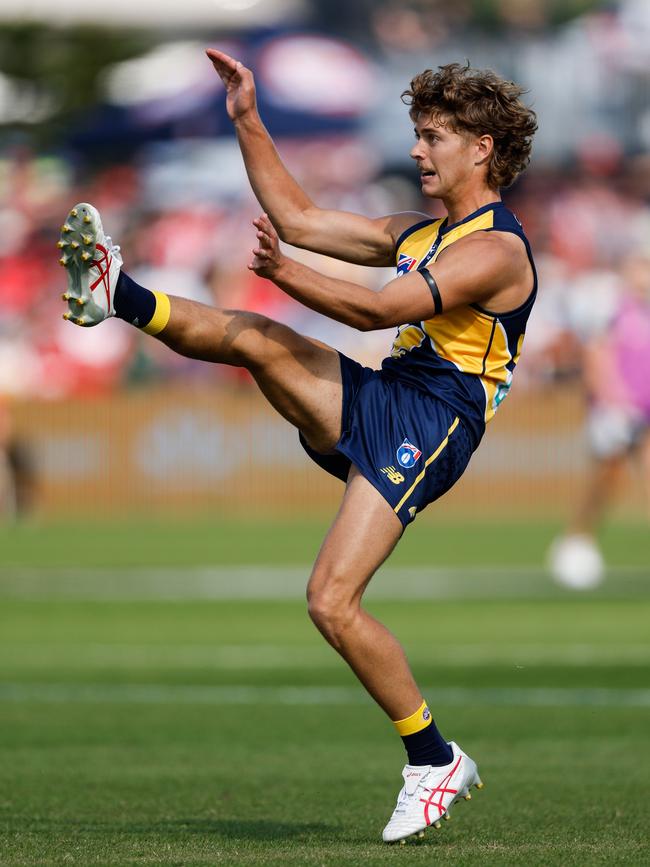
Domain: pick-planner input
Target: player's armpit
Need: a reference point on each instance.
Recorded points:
(473, 270)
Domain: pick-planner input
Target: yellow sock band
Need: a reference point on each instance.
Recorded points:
(161, 314)
(414, 723)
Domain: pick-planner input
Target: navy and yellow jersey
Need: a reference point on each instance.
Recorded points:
(465, 357)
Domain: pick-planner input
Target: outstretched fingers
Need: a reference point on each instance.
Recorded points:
(238, 81)
(263, 222)
(267, 253)
(266, 233)
(226, 66)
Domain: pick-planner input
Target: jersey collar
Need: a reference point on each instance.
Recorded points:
(444, 228)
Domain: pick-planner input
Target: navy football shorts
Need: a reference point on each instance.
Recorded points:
(409, 445)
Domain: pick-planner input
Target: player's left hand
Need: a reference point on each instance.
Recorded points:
(267, 257)
(238, 81)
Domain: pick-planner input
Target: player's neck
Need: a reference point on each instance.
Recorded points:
(463, 204)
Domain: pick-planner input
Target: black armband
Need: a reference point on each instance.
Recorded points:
(435, 292)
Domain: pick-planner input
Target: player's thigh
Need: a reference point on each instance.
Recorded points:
(301, 379)
(364, 532)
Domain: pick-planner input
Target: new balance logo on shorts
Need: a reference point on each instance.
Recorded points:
(394, 475)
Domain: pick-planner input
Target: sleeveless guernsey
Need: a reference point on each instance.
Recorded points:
(465, 357)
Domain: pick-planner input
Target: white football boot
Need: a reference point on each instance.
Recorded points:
(428, 793)
(93, 264)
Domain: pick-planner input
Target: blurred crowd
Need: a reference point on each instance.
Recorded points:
(156, 155)
(585, 221)
(197, 250)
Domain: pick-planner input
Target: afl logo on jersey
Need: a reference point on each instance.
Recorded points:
(405, 264)
(408, 454)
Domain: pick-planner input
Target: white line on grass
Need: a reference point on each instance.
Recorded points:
(56, 693)
(276, 582)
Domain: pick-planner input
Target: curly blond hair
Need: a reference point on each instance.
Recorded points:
(479, 102)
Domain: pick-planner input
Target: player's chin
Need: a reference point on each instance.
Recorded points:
(430, 185)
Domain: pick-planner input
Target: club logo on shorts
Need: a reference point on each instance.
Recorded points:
(405, 264)
(408, 454)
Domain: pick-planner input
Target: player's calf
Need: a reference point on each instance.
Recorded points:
(98, 289)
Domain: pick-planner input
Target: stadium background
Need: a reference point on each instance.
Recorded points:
(157, 521)
(114, 420)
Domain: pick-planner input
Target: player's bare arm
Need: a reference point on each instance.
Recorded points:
(298, 221)
(488, 269)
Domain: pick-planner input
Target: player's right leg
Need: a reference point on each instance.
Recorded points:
(299, 376)
(438, 773)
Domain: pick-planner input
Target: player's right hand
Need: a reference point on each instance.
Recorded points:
(238, 81)
(267, 258)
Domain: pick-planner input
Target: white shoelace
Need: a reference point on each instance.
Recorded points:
(404, 800)
(113, 248)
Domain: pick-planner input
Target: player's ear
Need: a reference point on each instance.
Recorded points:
(484, 148)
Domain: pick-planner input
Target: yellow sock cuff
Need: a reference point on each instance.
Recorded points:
(414, 723)
(161, 314)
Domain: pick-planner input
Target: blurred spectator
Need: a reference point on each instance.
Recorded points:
(16, 471)
(611, 313)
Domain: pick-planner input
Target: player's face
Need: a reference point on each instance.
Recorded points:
(446, 160)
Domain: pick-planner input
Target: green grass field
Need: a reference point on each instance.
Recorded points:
(430, 541)
(215, 729)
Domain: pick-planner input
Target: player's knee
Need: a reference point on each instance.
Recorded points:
(252, 338)
(261, 342)
(330, 608)
(331, 620)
